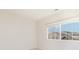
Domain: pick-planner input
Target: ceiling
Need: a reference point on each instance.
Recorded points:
(34, 14)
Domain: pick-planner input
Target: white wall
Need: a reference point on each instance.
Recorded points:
(43, 43)
(17, 32)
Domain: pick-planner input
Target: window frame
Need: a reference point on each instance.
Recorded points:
(60, 23)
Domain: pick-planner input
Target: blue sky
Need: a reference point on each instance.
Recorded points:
(53, 29)
(72, 27)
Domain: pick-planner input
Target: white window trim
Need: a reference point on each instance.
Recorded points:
(63, 22)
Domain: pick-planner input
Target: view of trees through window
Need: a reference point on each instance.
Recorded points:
(68, 31)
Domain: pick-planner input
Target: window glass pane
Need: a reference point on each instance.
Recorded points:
(75, 31)
(54, 32)
(66, 31)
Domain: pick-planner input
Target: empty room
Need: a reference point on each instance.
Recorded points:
(39, 29)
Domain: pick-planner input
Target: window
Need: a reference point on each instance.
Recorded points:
(64, 31)
(54, 32)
